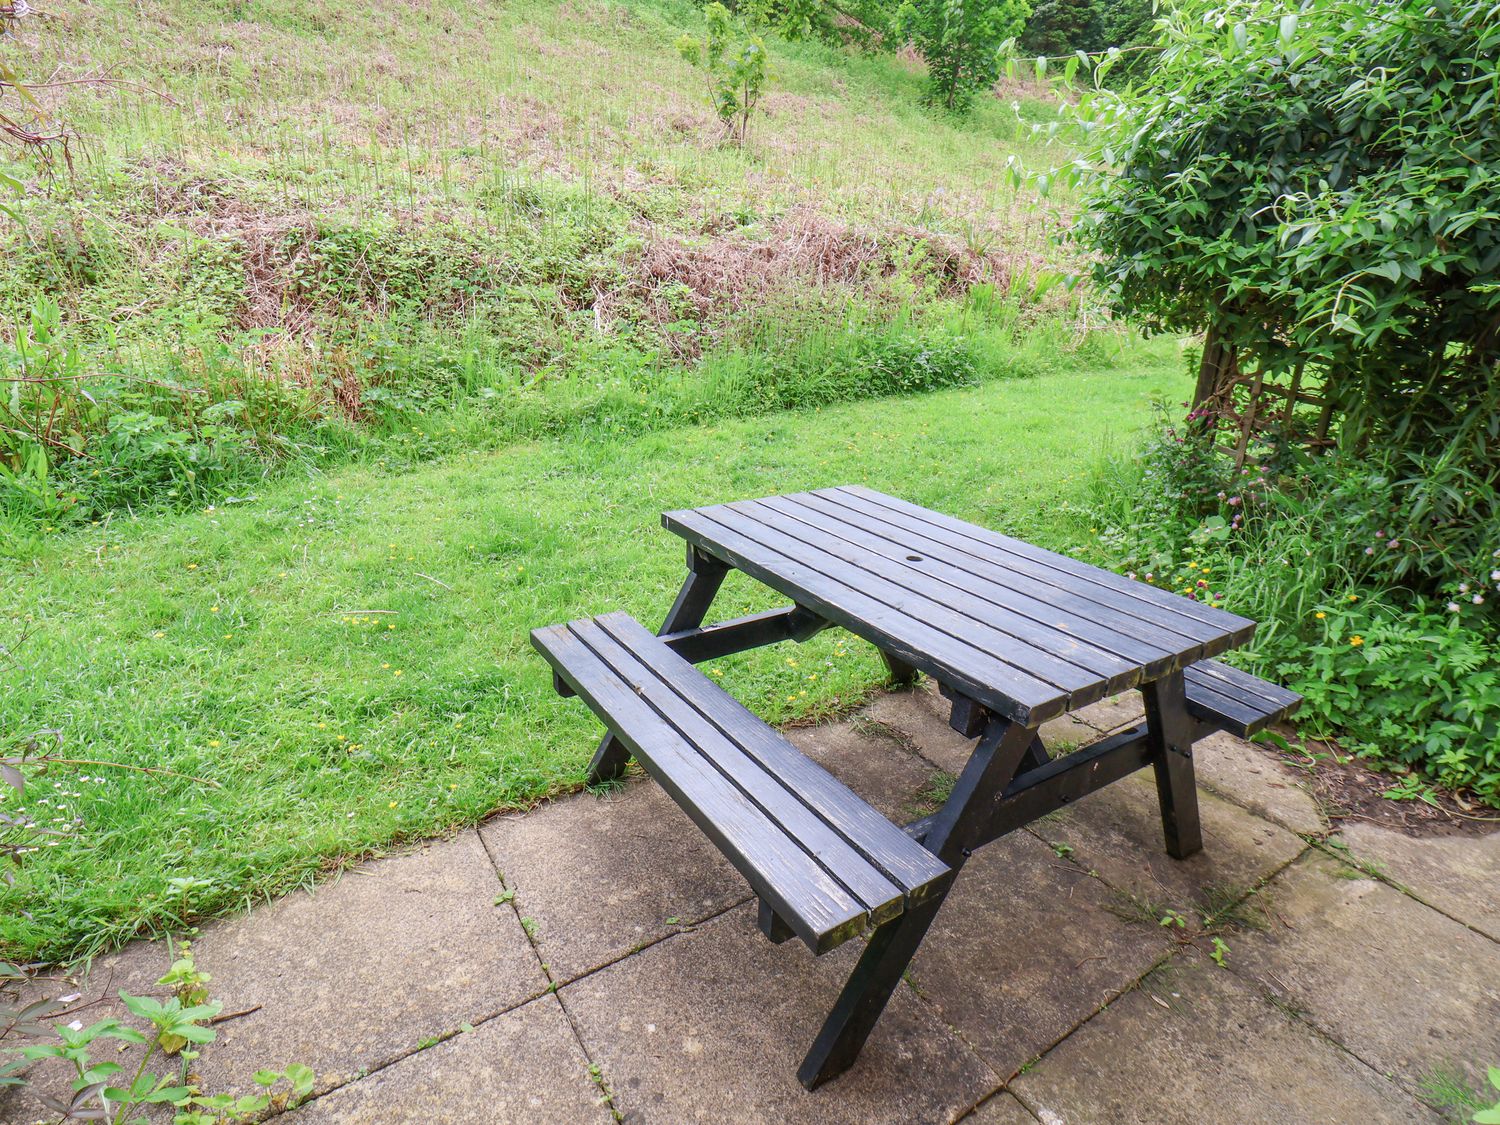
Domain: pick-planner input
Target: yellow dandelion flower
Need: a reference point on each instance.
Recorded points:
(213, 609)
(213, 742)
(1356, 640)
(1320, 615)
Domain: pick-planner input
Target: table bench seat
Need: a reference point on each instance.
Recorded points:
(1234, 700)
(825, 864)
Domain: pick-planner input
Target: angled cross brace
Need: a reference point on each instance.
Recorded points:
(1009, 781)
(954, 834)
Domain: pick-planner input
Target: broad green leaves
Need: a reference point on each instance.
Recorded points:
(1321, 181)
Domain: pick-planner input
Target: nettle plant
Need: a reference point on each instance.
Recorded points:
(732, 56)
(1316, 182)
(170, 1028)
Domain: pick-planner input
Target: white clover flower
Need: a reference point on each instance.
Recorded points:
(1477, 599)
(1452, 607)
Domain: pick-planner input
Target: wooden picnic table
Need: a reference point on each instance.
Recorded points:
(1012, 634)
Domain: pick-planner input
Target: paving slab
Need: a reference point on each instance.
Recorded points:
(889, 773)
(1025, 949)
(1003, 1109)
(922, 715)
(1456, 874)
(1067, 733)
(525, 1065)
(1195, 1046)
(601, 875)
(1404, 988)
(1111, 714)
(360, 970)
(1253, 777)
(1117, 832)
(711, 1026)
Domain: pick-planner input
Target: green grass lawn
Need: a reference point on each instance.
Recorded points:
(346, 656)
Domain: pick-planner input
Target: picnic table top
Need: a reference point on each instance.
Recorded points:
(1024, 631)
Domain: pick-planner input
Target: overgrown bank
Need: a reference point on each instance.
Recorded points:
(479, 225)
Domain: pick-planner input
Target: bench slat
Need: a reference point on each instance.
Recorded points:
(866, 830)
(1239, 702)
(809, 847)
(879, 896)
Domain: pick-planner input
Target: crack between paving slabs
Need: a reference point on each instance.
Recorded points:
(555, 987)
(435, 1040)
(1289, 1012)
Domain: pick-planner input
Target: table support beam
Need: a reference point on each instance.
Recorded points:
(794, 623)
(1172, 731)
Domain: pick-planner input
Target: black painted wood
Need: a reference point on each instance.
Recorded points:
(1052, 653)
(1170, 732)
(822, 860)
(1022, 632)
(1236, 700)
(744, 633)
(1014, 584)
(1123, 591)
(705, 575)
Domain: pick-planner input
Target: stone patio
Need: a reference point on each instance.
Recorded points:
(596, 959)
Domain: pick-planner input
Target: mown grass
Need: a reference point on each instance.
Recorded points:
(346, 656)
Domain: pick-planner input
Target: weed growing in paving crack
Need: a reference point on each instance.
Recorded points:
(1218, 911)
(174, 1027)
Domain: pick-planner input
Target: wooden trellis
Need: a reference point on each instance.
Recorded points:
(1242, 405)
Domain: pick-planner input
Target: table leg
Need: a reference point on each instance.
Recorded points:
(1170, 730)
(900, 671)
(704, 577)
(962, 821)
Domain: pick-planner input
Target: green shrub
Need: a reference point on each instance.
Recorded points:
(733, 59)
(1403, 679)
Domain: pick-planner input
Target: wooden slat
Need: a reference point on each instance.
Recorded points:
(984, 582)
(863, 827)
(879, 895)
(1237, 682)
(1008, 691)
(780, 871)
(1143, 621)
(1018, 641)
(1219, 621)
(1241, 703)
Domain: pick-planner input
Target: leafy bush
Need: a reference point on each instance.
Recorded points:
(1319, 185)
(961, 41)
(1404, 679)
